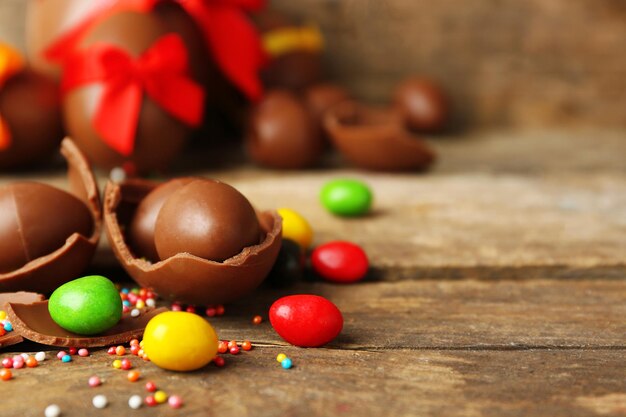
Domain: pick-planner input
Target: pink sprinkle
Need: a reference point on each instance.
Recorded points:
(211, 312)
(61, 354)
(175, 401)
(18, 362)
(176, 307)
(83, 352)
(94, 381)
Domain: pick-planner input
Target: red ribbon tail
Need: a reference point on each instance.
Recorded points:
(117, 116)
(179, 96)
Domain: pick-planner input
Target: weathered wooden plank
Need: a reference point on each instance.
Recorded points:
(329, 382)
(548, 204)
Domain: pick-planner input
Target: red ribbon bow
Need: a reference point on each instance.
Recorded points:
(161, 71)
(230, 36)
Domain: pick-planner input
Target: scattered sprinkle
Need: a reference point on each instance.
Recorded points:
(66, 358)
(100, 401)
(135, 312)
(257, 320)
(160, 397)
(6, 374)
(83, 352)
(135, 402)
(175, 401)
(150, 401)
(52, 410)
(281, 357)
(94, 381)
(151, 386)
(117, 364)
(41, 356)
(246, 345)
(286, 363)
(133, 376)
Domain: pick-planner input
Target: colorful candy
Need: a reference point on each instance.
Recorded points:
(257, 320)
(40, 356)
(160, 397)
(280, 357)
(133, 376)
(180, 341)
(306, 320)
(286, 363)
(346, 197)
(94, 381)
(296, 228)
(340, 261)
(175, 401)
(5, 374)
(86, 306)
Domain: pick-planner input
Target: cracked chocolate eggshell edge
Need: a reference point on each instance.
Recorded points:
(376, 139)
(48, 272)
(185, 277)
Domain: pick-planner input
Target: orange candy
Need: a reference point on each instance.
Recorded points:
(31, 362)
(257, 319)
(133, 376)
(5, 374)
(246, 345)
(11, 62)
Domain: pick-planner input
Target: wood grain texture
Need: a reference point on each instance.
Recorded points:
(505, 62)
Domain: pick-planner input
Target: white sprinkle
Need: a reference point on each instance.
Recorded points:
(100, 401)
(150, 302)
(24, 355)
(40, 356)
(52, 410)
(135, 402)
(117, 174)
(135, 312)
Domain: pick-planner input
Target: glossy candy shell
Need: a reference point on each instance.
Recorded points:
(340, 261)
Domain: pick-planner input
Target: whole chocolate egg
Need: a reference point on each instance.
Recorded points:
(208, 219)
(282, 133)
(423, 104)
(30, 109)
(141, 231)
(27, 230)
(159, 136)
(295, 51)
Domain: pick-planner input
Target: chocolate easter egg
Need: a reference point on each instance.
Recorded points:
(282, 133)
(295, 51)
(208, 219)
(30, 109)
(159, 135)
(48, 236)
(423, 104)
(141, 231)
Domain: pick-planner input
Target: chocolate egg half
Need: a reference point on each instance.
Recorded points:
(52, 234)
(186, 277)
(376, 139)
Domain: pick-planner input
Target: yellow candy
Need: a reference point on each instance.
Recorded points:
(11, 61)
(180, 341)
(296, 228)
(281, 357)
(3, 314)
(160, 397)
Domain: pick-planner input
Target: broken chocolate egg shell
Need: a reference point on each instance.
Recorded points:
(184, 277)
(22, 297)
(376, 139)
(46, 273)
(33, 322)
(30, 106)
(159, 137)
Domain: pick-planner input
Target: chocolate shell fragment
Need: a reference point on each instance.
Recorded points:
(22, 297)
(33, 322)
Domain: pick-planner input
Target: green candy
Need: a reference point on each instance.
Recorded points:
(346, 197)
(86, 306)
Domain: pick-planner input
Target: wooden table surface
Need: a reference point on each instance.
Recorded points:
(497, 289)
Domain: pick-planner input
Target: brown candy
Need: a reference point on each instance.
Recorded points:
(36, 219)
(31, 108)
(423, 104)
(185, 277)
(159, 136)
(54, 233)
(141, 232)
(376, 139)
(33, 322)
(282, 133)
(208, 219)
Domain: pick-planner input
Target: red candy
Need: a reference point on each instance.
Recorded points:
(340, 261)
(306, 320)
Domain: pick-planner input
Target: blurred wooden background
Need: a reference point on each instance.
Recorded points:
(532, 63)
